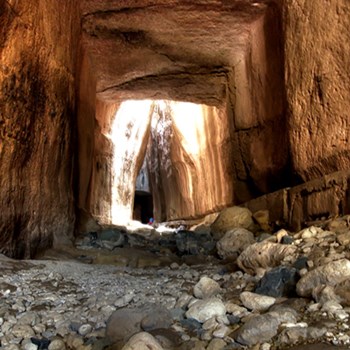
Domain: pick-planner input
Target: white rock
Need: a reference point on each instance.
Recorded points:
(124, 300)
(256, 302)
(203, 310)
(30, 346)
(142, 341)
(280, 234)
(222, 331)
(206, 288)
(210, 324)
(329, 274)
(236, 310)
(310, 232)
(264, 255)
(85, 329)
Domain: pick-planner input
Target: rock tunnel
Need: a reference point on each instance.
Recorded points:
(225, 121)
(260, 88)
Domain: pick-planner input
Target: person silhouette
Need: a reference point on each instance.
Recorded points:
(150, 222)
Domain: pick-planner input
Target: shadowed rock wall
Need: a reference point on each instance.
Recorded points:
(38, 50)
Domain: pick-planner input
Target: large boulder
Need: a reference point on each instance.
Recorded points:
(262, 328)
(264, 255)
(330, 274)
(231, 218)
(126, 322)
(234, 242)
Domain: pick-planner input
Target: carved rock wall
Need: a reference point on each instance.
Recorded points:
(275, 76)
(38, 50)
(317, 69)
(189, 158)
(102, 167)
(257, 98)
(130, 134)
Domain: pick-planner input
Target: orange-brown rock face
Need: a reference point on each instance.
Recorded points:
(189, 159)
(227, 55)
(37, 106)
(232, 56)
(317, 56)
(271, 78)
(167, 49)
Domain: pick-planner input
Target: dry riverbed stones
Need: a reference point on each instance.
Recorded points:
(279, 295)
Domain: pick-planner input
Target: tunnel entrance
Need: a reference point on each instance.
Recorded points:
(143, 207)
(212, 135)
(165, 153)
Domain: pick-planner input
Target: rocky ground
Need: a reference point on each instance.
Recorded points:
(223, 287)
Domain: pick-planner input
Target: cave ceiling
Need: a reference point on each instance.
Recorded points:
(167, 49)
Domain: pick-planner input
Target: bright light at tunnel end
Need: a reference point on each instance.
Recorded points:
(130, 125)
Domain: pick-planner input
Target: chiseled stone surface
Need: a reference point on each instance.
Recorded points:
(38, 59)
(318, 86)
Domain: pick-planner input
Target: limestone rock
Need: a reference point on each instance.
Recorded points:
(262, 328)
(330, 274)
(128, 321)
(280, 234)
(231, 218)
(264, 255)
(297, 334)
(142, 341)
(344, 238)
(22, 331)
(203, 310)
(206, 288)
(236, 310)
(342, 291)
(234, 242)
(205, 225)
(57, 344)
(256, 302)
(216, 344)
(160, 317)
(85, 329)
